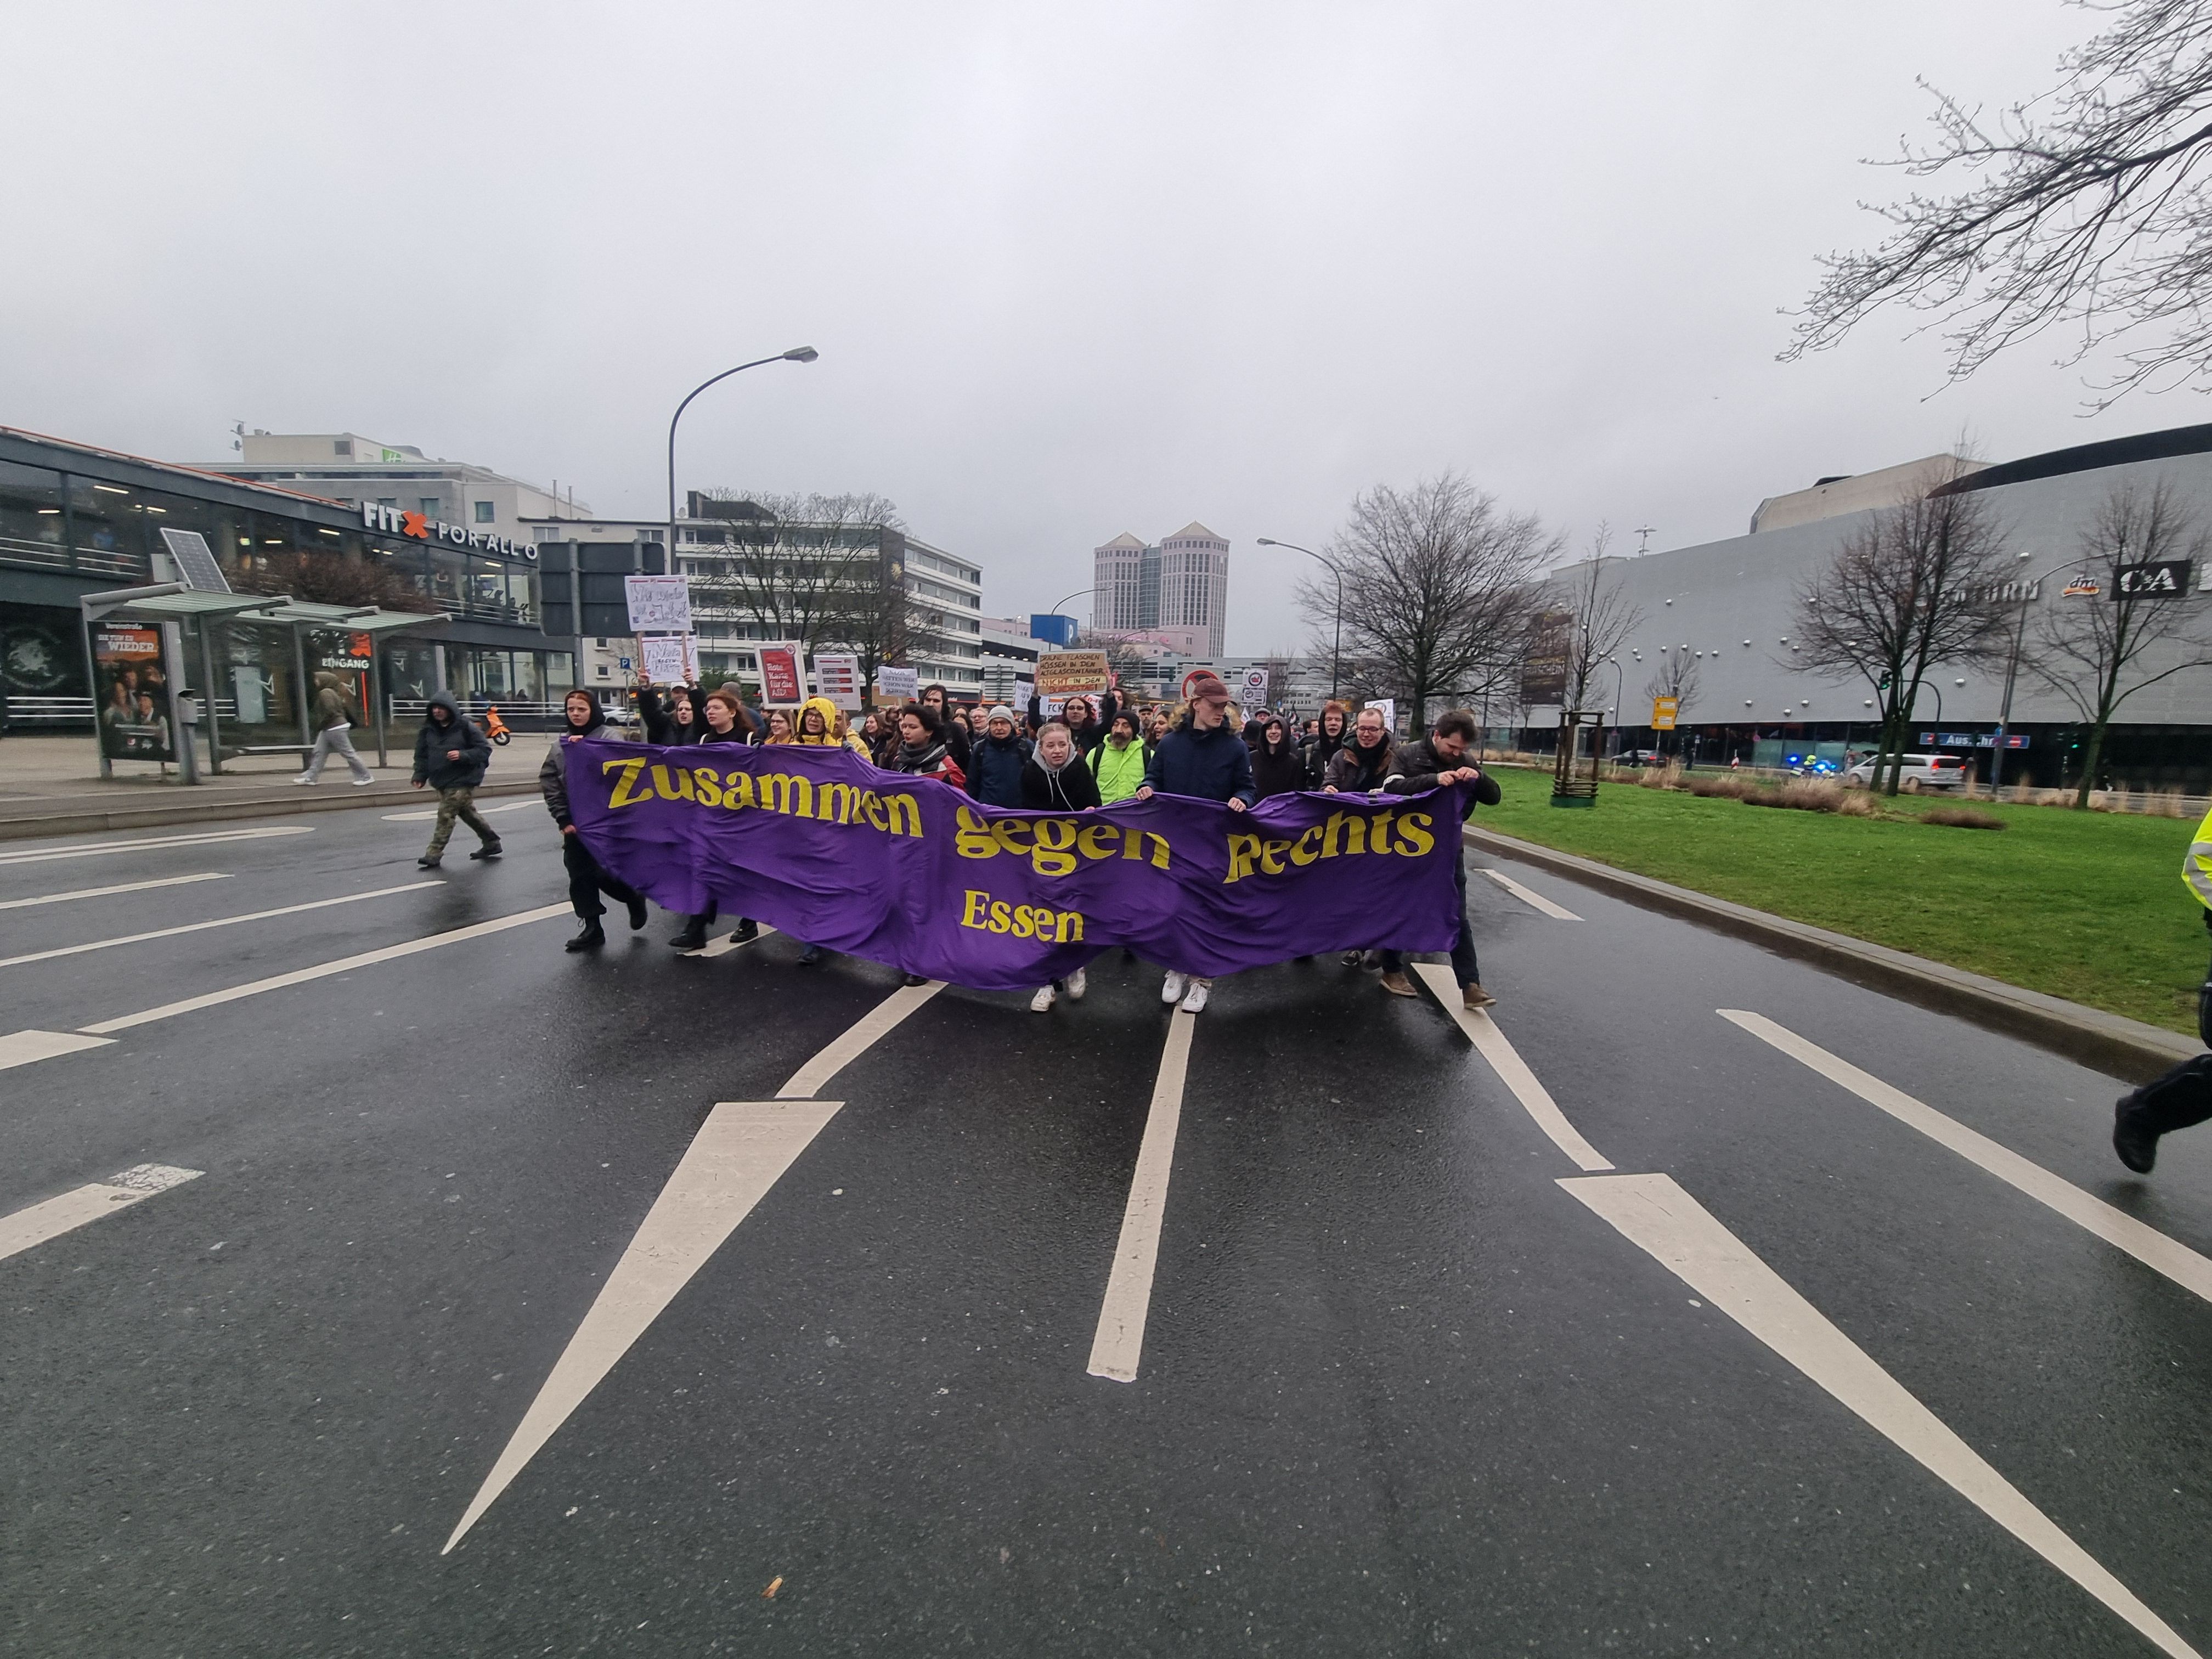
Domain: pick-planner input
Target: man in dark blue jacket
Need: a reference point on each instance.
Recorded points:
(995, 764)
(450, 756)
(1204, 757)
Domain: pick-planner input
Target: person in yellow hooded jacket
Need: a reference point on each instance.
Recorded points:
(821, 724)
(2183, 1096)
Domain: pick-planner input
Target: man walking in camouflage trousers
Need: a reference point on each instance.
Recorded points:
(450, 756)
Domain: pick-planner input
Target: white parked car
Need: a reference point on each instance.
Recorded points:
(1918, 772)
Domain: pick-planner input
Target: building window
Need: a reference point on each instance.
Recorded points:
(484, 512)
(342, 447)
(427, 503)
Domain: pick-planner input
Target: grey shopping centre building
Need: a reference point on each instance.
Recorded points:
(76, 520)
(1730, 603)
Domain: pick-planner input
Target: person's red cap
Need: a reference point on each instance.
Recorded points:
(1207, 687)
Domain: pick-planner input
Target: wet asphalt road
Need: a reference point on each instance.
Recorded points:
(1401, 1391)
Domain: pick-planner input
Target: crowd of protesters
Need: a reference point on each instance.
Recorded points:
(1091, 753)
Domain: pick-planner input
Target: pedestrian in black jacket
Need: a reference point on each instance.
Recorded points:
(1279, 765)
(1058, 779)
(1359, 766)
(583, 721)
(1433, 763)
(994, 765)
(950, 726)
(450, 756)
(726, 720)
(677, 717)
(1204, 757)
(1336, 732)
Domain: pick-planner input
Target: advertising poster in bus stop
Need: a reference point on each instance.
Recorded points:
(132, 693)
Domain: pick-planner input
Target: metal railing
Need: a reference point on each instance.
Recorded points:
(49, 711)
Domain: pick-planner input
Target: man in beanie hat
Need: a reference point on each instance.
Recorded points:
(995, 762)
(1204, 758)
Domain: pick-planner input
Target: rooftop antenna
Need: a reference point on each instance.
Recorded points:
(238, 436)
(1644, 544)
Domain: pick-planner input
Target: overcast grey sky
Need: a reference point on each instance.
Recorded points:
(1070, 273)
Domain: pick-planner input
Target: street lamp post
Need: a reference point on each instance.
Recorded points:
(796, 355)
(1336, 644)
(2011, 671)
(1619, 692)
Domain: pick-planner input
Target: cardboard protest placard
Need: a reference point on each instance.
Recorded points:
(783, 677)
(898, 686)
(1071, 673)
(837, 676)
(669, 659)
(658, 605)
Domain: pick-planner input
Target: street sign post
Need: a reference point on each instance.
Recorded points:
(1664, 710)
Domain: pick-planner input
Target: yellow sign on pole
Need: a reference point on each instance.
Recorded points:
(1664, 710)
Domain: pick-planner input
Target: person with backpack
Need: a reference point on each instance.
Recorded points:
(582, 720)
(450, 756)
(334, 734)
(995, 763)
(1119, 763)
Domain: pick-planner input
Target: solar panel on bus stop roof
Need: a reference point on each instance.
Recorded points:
(196, 564)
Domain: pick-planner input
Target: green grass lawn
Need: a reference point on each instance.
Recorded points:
(2087, 906)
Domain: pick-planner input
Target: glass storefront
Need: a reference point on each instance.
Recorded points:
(258, 697)
(31, 528)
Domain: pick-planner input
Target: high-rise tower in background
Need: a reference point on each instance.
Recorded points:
(1180, 583)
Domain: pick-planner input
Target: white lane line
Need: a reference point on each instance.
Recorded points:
(1652, 1212)
(427, 813)
(1119, 1340)
(102, 892)
(323, 970)
(1513, 1070)
(72, 1209)
(2146, 1244)
(23, 1048)
(739, 1153)
(877, 1024)
(41, 854)
(1527, 898)
(220, 921)
(724, 946)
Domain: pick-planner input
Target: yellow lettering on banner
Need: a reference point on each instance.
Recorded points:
(1025, 921)
(906, 810)
(677, 789)
(1051, 856)
(1040, 922)
(1159, 850)
(1001, 916)
(974, 839)
(1006, 830)
(709, 782)
(1413, 830)
(1097, 841)
(787, 792)
(737, 790)
(838, 803)
(1343, 833)
(1271, 856)
(1378, 836)
(1243, 850)
(627, 793)
(1302, 854)
(871, 805)
(971, 912)
(1070, 929)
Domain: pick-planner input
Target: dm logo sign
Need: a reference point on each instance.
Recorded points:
(2166, 579)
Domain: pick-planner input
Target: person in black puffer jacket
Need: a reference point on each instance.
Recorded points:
(583, 721)
(1320, 749)
(995, 764)
(1055, 779)
(1432, 762)
(680, 717)
(1279, 765)
(728, 721)
(450, 756)
(1204, 758)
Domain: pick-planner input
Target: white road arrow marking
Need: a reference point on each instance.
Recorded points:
(878, 1023)
(1654, 1213)
(103, 892)
(1513, 1070)
(1536, 899)
(40, 1222)
(24, 1047)
(2146, 1244)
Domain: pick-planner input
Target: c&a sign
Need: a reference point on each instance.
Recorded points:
(423, 528)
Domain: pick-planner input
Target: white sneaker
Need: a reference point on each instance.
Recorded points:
(1042, 1001)
(1075, 985)
(1194, 1001)
(1172, 987)
(303, 779)
(363, 783)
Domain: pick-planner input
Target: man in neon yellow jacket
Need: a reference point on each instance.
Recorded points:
(2183, 1096)
(1118, 763)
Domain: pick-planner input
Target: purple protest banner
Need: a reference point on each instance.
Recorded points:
(911, 872)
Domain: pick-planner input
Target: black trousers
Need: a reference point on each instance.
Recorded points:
(2181, 1097)
(1463, 951)
(587, 881)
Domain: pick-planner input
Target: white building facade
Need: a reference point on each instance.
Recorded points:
(1182, 582)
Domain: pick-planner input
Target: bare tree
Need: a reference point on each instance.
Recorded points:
(1439, 585)
(2100, 652)
(825, 570)
(1919, 584)
(327, 578)
(2090, 208)
(1676, 673)
(1593, 592)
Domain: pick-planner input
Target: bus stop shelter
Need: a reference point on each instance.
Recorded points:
(167, 659)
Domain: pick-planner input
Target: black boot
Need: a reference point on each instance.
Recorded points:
(590, 938)
(748, 931)
(637, 915)
(490, 849)
(2136, 1145)
(427, 861)
(694, 936)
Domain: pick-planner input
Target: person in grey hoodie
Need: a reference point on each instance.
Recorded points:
(333, 734)
(450, 756)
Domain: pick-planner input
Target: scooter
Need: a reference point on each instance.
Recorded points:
(495, 728)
